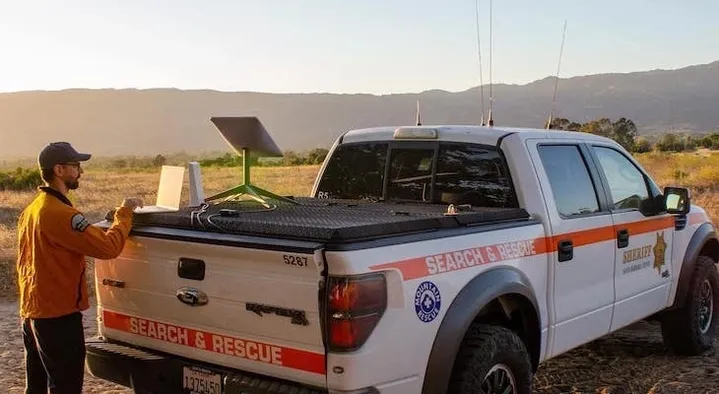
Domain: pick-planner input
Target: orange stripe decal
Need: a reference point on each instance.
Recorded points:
(584, 237)
(608, 233)
(237, 347)
(420, 267)
(648, 226)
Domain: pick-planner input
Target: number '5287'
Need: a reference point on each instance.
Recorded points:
(300, 261)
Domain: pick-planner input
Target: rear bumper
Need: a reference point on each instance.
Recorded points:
(155, 372)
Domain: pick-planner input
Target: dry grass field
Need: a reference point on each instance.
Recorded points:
(99, 192)
(630, 361)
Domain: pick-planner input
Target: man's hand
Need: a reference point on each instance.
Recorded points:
(132, 203)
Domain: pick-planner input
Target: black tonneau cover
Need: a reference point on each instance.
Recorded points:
(324, 220)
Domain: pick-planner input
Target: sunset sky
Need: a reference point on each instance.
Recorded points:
(370, 46)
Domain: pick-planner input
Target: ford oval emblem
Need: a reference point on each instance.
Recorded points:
(191, 296)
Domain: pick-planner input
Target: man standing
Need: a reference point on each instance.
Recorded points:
(53, 240)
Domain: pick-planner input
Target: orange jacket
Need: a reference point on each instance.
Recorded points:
(53, 240)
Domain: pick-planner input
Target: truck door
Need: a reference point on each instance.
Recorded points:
(581, 243)
(643, 242)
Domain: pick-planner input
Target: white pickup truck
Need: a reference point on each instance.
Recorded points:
(429, 259)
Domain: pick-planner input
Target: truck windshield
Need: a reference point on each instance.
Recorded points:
(463, 174)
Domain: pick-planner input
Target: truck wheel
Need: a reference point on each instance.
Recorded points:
(491, 359)
(690, 330)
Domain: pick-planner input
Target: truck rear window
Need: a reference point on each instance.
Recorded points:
(354, 172)
(463, 174)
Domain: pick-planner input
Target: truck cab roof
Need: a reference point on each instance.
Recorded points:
(488, 135)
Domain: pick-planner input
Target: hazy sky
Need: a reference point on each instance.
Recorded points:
(372, 46)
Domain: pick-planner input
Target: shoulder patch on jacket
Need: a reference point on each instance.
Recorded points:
(78, 222)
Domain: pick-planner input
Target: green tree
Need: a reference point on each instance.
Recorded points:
(710, 141)
(20, 179)
(624, 132)
(291, 158)
(642, 145)
(159, 161)
(669, 142)
(602, 127)
(317, 156)
(690, 143)
(564, 124)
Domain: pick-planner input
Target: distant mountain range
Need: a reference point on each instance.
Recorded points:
(152, 121)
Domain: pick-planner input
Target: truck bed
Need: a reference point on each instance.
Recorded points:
(248, 291)
(323, 220)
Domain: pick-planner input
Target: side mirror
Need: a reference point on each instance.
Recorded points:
(677, 200)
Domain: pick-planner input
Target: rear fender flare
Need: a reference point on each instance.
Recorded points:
(479, 292)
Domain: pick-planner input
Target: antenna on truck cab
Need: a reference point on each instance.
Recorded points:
(419, 121)
(246, 135)
(479, 57)
(491, 96)
(556, 80)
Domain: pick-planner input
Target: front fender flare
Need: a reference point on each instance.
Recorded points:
(705, 233)
(479, 292)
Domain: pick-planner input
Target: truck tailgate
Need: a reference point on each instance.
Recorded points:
(249, 308)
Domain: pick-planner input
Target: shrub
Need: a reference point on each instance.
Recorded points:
(20, 179)
(642, 145)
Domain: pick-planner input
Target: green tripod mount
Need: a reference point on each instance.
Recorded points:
(243, 133)
(246, 188)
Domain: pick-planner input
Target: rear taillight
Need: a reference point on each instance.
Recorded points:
(356, 304)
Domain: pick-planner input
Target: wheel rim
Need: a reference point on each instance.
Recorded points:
(499, 380)
(706, 307)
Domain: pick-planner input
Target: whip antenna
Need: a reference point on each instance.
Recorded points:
(418, 121)
(556, 80)
(479, 56)
(491, 97)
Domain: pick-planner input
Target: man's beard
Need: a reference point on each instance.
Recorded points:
(72, 185)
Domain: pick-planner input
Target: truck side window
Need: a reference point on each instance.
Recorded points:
(472, 174)
(573, 190)
(626, 183)
(354, 172)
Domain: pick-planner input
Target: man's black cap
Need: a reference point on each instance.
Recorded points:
(59, 153)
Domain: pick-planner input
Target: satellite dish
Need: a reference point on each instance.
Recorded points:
(247, 137)
(242, 132)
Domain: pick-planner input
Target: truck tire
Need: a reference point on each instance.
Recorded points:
(691, 329)
(491, 355)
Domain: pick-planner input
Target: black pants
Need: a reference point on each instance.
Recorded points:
(54, 354)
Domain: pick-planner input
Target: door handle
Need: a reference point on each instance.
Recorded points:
(622, 238)
(566, 250)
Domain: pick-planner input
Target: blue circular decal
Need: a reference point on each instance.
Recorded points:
(427, 301)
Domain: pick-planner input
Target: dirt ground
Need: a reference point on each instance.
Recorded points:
(12, 378)
(631, 361)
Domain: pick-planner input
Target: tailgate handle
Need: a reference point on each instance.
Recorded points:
(189, 268)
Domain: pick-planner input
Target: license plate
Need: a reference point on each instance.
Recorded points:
(201, 381)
